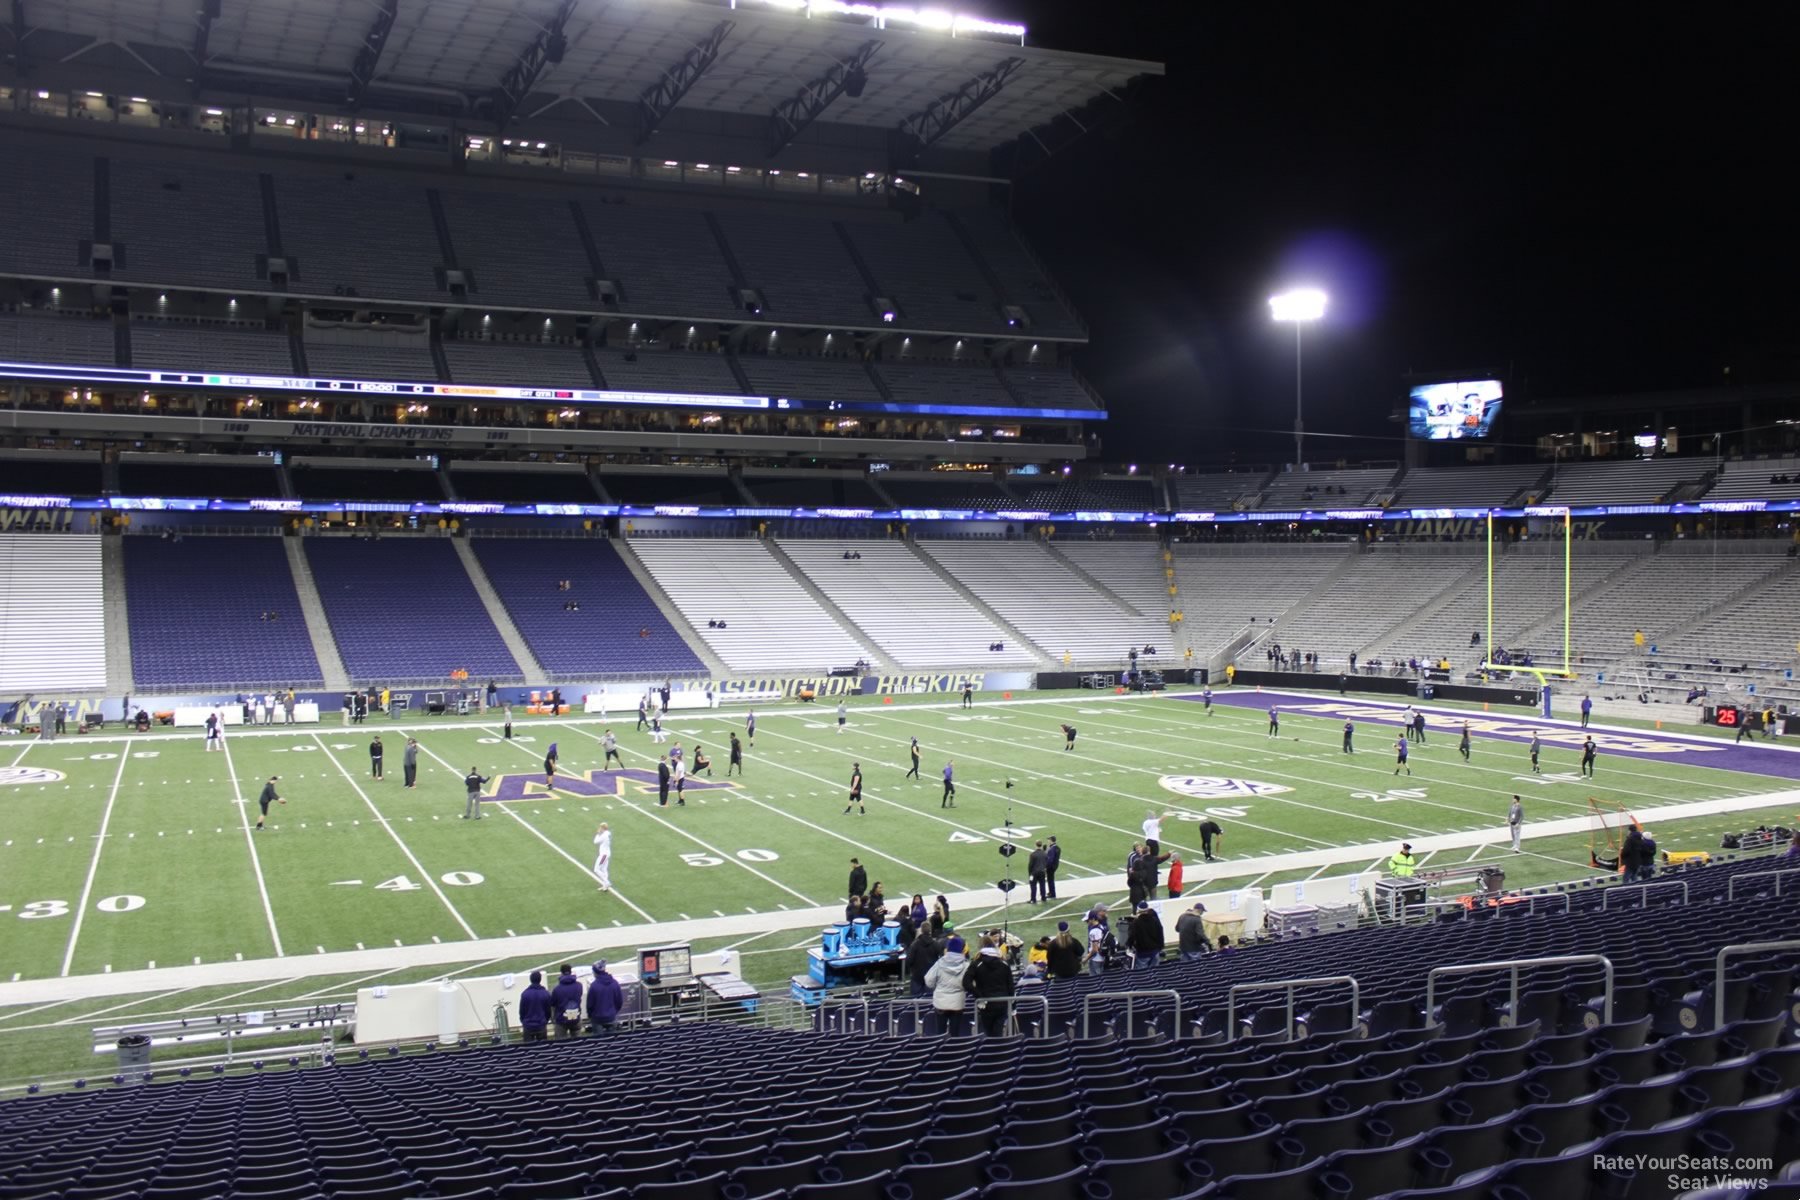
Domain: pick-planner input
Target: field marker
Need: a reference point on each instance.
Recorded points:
(359, 945)
(436, 940)
(510, 933)
(430, 880)
(346, 883)
(580, 926)
(107, 969)
(262, 886)
(319, 949)
(87, 889)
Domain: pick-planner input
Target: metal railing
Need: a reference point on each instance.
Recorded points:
(1726, 953)
(1130, 998)
(1643, 890)
(1731, 884)
(1514, 966)
(1012, 1003)
(1290, 985)
(1531, 901)
(919, 1006)
(843, 1005)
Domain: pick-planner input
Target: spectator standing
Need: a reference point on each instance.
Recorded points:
(914, 751)
(859, 879)
(1190, 933)
(507, 731)
(843, 714)
(1052, 860)
(534, 1009)
(1175, 877)
(409, 762)
(1147, 937)
(565, 1003)
(1037, 869)
(945, 979)
(993, 984)
(375, 757)
(1587, 708)
(287, 708)
(662, 782)
(921, 954)
(1096, 940)
(1063, 958)
(1515, 821)
(1588, 753)
(604, 997)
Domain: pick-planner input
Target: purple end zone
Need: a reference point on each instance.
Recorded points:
(1443, 725)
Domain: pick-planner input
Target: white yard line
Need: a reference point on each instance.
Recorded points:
(218, 1001)
(926, 813)
(711, 849)
(22, 751)
(538, 834)
(262, 885)
(430, 880)
(843, 790)
(1136, 798)
(54, 992)
(87, 888)
(85, 1017)
(1328, 711)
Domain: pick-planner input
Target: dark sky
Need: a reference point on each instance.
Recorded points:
(1580, 200)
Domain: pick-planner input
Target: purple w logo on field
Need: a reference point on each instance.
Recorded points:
(593, 784)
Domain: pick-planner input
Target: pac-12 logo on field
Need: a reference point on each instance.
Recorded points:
(25, 775)
(1217, 787)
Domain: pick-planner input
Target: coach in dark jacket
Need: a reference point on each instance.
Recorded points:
(604, 999)
(565, 1003)
(534, 1009)
(992, 978)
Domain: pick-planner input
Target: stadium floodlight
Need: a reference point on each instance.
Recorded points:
(1298, 306)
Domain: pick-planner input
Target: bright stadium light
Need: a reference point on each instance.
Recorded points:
(1298, 305)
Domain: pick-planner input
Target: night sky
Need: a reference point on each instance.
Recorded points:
(1581, 202)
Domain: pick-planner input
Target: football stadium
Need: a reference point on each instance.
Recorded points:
(583, 613)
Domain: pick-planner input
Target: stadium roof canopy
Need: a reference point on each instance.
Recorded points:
(523, 58)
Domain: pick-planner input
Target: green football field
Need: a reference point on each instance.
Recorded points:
(119, 854)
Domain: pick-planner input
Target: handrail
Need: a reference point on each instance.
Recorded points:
(1531, 901)
(842, 1002)
(1731, 884)
(916, 1003)
(1406, 909)
(1012, 1003)
(1130, 998)
(1514, 965)
(1607, 895)
(1737, 950)
(1290, 984)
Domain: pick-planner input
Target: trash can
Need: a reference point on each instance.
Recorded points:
(134, 1051)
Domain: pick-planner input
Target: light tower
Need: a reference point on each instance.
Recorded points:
(1298, 305)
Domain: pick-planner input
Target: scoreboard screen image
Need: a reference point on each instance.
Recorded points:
(1449, 412)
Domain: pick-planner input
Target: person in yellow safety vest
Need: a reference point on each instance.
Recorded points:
(1230, 673)
(1403, 864)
